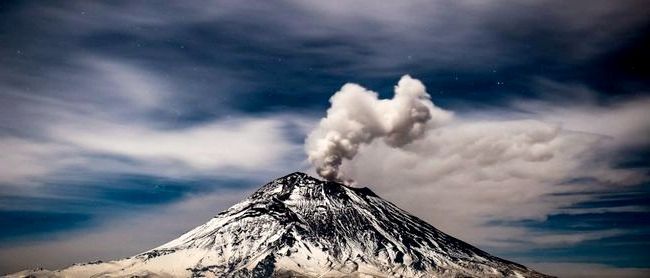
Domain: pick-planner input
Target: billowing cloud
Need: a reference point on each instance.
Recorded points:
(358, 117)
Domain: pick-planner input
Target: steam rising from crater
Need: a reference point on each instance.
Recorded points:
(357, 117)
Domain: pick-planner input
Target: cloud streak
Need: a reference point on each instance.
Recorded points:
(586, 270)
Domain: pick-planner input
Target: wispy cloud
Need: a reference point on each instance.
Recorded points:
(564, 239)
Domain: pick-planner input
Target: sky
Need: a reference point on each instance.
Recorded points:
(125, 123)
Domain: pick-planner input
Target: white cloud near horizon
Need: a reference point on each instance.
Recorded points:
(589, 270)
(119, 237)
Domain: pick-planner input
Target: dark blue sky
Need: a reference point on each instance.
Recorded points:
(123, 111)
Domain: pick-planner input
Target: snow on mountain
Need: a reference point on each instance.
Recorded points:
(299, 226)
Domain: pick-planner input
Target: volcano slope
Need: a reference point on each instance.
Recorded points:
(300, 226)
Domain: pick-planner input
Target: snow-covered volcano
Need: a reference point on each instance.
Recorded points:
(299, 226)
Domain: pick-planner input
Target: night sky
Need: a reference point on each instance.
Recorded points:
(126, 123)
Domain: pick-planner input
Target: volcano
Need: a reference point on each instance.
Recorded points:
(300, 226)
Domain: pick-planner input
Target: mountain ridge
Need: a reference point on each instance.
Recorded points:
(300, 226)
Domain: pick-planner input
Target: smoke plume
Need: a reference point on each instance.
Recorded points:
(357, 117)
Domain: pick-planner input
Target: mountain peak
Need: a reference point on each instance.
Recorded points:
(298, 174)
(301, 179)
(300, 226)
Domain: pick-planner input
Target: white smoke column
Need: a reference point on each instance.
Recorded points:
(357, 116)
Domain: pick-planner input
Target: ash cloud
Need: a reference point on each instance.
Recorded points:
(357, 117)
